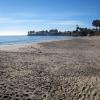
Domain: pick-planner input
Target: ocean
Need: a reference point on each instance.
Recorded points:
(9, 40)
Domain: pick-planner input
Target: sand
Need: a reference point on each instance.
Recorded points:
(62, 70)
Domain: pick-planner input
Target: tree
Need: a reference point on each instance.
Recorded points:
(53, 31)
(96, 23)
(99, 24)
(77, 28)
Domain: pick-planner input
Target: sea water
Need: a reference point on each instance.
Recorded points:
(9, 40)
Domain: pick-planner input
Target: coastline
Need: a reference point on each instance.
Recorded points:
(16, 47)
(10, 40)
(66, 70)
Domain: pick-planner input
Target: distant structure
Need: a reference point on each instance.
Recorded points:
(52, 32)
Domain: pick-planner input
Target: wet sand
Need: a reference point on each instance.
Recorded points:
(62, 70)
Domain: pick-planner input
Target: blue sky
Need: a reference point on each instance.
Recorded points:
(19, 16)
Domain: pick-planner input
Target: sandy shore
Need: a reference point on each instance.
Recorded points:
(62, 70)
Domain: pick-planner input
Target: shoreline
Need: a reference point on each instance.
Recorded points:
(13, 47)
(42, 41)
(17, 47)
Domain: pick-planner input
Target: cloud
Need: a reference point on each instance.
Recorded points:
(16, 21)
(46, 15)
(67, 22)
(41, 21)
(51, 14)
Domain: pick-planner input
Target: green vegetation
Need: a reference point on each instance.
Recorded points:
(78, 32)
(96, 23)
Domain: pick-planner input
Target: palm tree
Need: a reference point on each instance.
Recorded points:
(99, 24)
(94, 23)
(77, 28)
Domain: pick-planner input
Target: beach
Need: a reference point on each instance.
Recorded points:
(58, 70)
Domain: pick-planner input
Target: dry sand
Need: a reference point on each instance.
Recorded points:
(63, 70)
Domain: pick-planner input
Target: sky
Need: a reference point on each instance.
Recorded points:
(17, 17)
